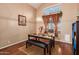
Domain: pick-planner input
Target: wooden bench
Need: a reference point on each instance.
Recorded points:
(38, 44)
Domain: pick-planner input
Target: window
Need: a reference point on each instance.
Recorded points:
(52, 9)
(50, 26)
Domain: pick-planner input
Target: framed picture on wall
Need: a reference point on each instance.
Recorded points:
(21, 20)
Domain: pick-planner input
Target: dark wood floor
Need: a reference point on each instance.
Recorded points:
(12, 50)
(66, 49)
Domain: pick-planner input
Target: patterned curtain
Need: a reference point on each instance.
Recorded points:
(55, 18)
(46, 20)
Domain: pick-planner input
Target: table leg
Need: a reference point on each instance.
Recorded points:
(50, 47)
(54, 43)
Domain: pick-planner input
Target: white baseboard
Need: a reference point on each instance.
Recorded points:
(25, 40)
(64, 41)
(12, 44)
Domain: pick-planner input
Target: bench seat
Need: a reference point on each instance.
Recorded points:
(38, 43)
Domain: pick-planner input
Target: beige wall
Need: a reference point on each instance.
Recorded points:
(69, 16)
(10, 32)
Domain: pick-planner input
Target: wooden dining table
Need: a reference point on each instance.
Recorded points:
(45, 37)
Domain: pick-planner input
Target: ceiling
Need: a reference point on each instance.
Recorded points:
(35, 5)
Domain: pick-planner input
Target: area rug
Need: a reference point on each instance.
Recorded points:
(34, 50)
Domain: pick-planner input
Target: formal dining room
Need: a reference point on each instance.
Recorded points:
(39, 28)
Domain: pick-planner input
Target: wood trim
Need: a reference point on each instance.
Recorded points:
(77, 38)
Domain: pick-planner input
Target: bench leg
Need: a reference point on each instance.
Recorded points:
(26, 44)
(44, 51)
(47, 50)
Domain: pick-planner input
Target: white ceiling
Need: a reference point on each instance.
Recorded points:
(35, 5)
